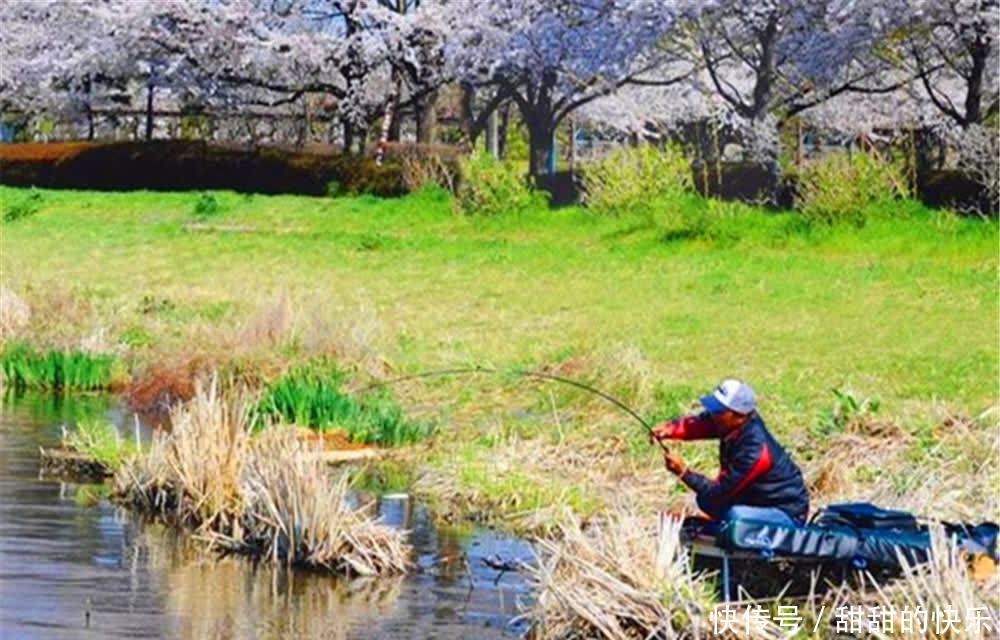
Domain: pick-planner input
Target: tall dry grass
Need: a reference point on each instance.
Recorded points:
(625, 579)
(14, 313)
(264, 496)
(620, 579)
(293, 514)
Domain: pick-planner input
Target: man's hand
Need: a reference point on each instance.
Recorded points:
(660, 432)
(674, 463)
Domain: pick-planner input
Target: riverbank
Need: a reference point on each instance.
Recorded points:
(903, 310)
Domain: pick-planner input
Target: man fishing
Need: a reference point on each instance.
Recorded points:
(757, 479)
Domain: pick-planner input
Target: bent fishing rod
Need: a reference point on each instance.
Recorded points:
(525, 374)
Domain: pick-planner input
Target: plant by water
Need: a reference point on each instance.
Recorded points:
(312, 396)
(24, 367)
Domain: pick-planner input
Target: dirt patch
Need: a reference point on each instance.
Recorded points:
(328, 440)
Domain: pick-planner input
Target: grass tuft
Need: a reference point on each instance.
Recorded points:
(311, 396)
(99, 440)
(23, 367)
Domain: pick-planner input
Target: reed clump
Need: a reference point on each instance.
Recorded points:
(619, 579)
(262, 496)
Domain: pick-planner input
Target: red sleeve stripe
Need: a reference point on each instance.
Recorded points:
(759, 468)
(691, 428)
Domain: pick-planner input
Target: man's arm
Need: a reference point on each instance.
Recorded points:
(699, 427)
(719, 493)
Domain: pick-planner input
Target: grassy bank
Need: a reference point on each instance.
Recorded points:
(652, 307)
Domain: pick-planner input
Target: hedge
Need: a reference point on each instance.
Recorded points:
(191, 165)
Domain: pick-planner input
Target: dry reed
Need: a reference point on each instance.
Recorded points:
(14, 313)
(620, 579)
(258, 496)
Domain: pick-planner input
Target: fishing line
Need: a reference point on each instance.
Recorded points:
(523, 373)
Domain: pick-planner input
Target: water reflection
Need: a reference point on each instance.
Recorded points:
(206, 597)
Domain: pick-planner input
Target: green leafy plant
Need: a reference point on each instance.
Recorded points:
(24, 208)
(334, 189)
(627, 179)
(311, 396)
(490, 187)
(846, 407)
(100, 440)
(23, 367)
(849, 188)
(206, 205)
(371, 241)
(137, 337)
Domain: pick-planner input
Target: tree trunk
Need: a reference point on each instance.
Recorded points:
(427, 118)
(149, 112)
(502, 132)
(539, 143)
(396, 124)
(468, 117)
(973, 95)
(348, 135)
(765, 71)
(387, 121)
(90, 110)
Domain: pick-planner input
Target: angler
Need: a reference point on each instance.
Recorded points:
(757, 479)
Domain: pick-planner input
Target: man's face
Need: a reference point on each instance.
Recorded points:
(728, 420)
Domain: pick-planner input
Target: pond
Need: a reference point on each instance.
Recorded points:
(73, 566)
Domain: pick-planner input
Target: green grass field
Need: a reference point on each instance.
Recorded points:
(905, 309)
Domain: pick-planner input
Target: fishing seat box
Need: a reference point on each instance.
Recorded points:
(770, 539)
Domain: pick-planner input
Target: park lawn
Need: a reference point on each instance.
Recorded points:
(905, 309)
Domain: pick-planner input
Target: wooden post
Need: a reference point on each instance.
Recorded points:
(798, 143)
(572, 144)
(149, 110)
(550, 159)
(492, 141)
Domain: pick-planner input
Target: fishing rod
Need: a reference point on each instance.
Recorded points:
(523, 373)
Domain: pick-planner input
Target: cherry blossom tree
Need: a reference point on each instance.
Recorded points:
(57, 57)
(951, 46)
(781, 57)
(551, 58)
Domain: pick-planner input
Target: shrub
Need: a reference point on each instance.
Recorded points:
(849, 188)
(188, 165)
(26, 207)
(426, 164)
(491, 187)
(206, 205)
(626, 180)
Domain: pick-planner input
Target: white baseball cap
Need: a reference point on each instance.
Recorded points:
(731, 394)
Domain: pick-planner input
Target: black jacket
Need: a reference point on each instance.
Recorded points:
(755, 470)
